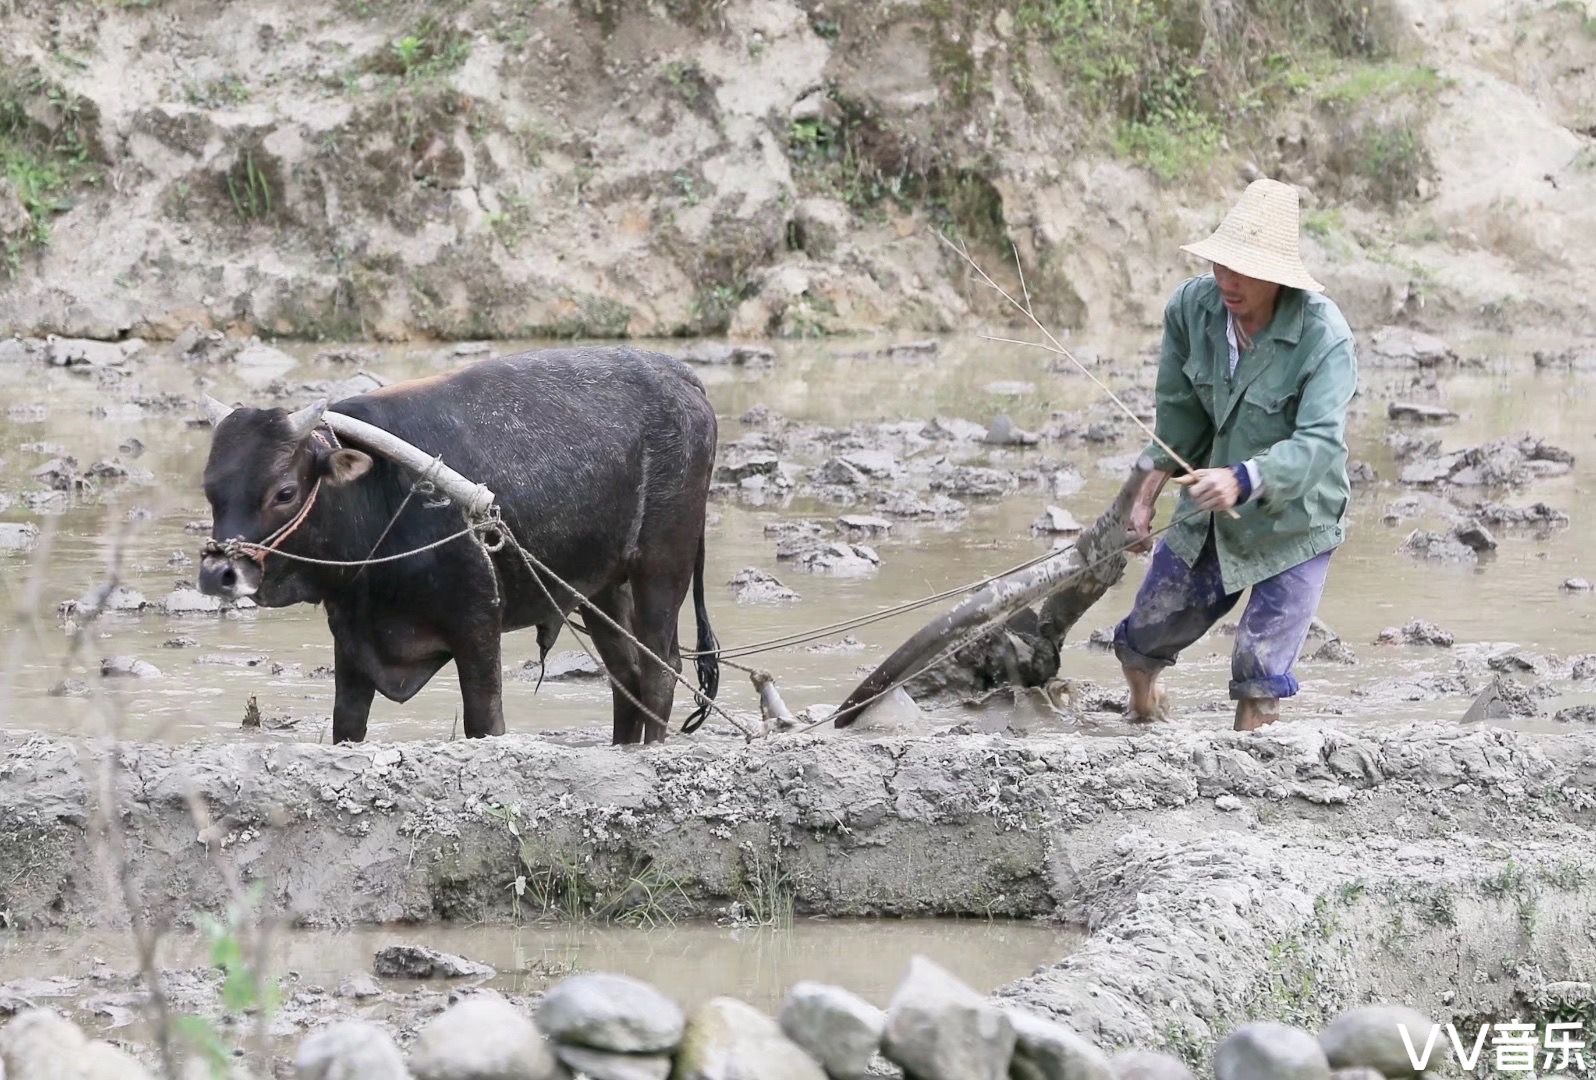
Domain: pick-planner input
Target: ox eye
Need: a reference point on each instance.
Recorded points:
(286, 493)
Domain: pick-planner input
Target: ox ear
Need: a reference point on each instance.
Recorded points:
(346, 466)
(303, 422)
(215, 411)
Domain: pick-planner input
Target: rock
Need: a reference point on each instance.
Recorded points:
(600, 1065)
(821, 224)
(263, 358)
(86, 352)
(1371, 1038)
(611, 1012)
(1583, 668)
(18, 537)
(118, 599)
(1270, 1051)
(1429, 414)
(482, 1038)
(1228, 803)
(863, 526)
(359, 986)
(875, 464)
(1500, 700)
(841, 560)
(727, 1040)
(911, 349)
(754, 586)
(1010, 388)
(189, 601)
(1476, 536)
(722, 353)
(1514, 661)
(1416, 632)
(1052, 1051)
(1361, 474)
(350, 1050)
(838, 1029)
(60, 474)
(40, 1045)
(1335, 651)
(1003, 432)
(569, 665)
(974, 481)
(944, 428)
(76, 688)
(1424, 544)
(1356, 1074)
(940, 1029)
(740, 469)
(1573, 584)
(1576, 714)
(128, 667)
(906, 505)
(1399, 346)
(419, 962)
(1537, 515)
(1141, 1065)
(1056, 521)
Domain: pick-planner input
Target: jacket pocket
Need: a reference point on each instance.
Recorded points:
(1268, 415)
(1200, 374)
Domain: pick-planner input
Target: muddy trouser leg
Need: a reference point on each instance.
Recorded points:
(1273, 628)
(1176, 605)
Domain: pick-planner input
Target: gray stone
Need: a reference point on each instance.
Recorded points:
(1401, 346)
(1576, 714)
(1371, 1038)
(754, 586)
(727, 1040)
(1270, 1051)
(822, 225)
(567, 666)
(358, 986)
(841, 560)
(188, 601)
(482, 1038)
(715, 353)
(611, 1012)
(1141, 1065)
(18, 536)
(1054, 1052)
(839, 1029)
(1474, 535)
(940, 1029)
(1412, 410)
(756, 464)
(603, 1065)
(1055, 520)
(1004, 432)
(350, 1050)
(863, 526)
(876, 464)
(1573, 584)
(1356, 1074)
(1416, 632)
(975, 481)
(954, 428)
(128, 667)
(419, 962)
(41, 1045)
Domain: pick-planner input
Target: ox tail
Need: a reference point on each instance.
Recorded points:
(707, 662)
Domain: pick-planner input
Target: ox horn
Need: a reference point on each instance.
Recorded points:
(215, 411)
(303, 422)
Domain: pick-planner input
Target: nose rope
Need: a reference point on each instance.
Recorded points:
(236, 546)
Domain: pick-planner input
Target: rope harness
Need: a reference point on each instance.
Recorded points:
(492, 535)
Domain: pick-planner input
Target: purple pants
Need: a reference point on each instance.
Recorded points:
(1178, 604)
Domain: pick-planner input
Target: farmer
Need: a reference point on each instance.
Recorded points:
(1254, 380)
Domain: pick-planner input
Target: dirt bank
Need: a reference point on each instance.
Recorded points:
(498, 168)
(1221, 876)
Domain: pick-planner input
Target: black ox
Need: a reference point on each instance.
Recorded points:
(601, 461)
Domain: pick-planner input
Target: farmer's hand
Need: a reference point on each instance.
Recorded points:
(1217, 490)
(1140, 527)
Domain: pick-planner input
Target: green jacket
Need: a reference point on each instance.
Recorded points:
(1285, 408)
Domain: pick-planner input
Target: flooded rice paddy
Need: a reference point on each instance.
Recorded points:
(210, 666)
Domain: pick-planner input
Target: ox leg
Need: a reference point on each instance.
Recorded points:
(481, 684)
(352, 694)
(620, 660)
(659, 603)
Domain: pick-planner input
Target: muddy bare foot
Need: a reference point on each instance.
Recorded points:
(1256, 713)
(1148, 704)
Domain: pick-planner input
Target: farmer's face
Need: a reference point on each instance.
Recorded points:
(1250, 301)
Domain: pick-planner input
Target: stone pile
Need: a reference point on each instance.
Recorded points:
(611, 1027)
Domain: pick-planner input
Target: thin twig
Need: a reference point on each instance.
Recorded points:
(1058, 347)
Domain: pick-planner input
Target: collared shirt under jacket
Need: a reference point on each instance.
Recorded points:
(1285, 407)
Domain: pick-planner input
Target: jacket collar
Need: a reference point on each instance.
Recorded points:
(1291, 310)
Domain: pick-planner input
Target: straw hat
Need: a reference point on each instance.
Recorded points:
(1258, 237)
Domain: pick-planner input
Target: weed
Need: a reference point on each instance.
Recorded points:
(430, 50)
(767, 896)
(216, 92)
(249, 189)
(547, 884)
(1321, 222)
(41, 161)
(1391, 158)
(1580, 10)
(1510, 880)
(1375, 81)
(245, 991)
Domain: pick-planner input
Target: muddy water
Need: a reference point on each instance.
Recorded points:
(1510, 599)
(693, 962)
